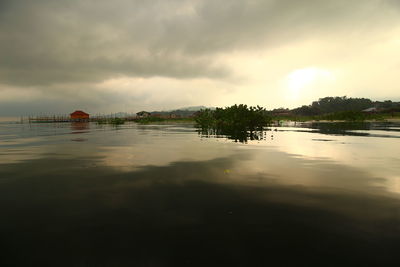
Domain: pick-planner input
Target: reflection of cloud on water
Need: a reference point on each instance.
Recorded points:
(242, 166)
(239, 169)
(291, 157)
(161, 151)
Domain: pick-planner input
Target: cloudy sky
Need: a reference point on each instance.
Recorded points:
(108, 56)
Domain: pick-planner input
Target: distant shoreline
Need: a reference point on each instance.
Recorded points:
(192, 121)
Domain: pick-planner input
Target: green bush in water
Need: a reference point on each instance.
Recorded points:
(234, 118)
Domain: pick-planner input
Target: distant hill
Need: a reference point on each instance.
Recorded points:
(116, 115)
(328, 105)
(192, 108)
(181, 112)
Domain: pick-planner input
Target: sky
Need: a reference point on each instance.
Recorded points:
(105, 56)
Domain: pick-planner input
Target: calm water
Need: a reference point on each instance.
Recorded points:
(165, 195)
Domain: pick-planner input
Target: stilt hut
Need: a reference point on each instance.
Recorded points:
(79, 115)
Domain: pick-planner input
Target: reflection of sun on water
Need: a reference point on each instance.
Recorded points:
(301, 80)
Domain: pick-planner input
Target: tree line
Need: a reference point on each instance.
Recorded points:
(342, 104)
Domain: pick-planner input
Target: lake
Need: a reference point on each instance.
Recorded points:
(81, 194)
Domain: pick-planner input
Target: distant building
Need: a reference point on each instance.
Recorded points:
(174, 116)
(370, 110)
(143, 114)
(79, 115)
(281, 112)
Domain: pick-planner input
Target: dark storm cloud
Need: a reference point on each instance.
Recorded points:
(45, 42)
(44, 69)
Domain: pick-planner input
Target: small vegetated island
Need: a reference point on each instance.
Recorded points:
(238, 122)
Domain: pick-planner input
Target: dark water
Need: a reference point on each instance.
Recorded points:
(164, 195)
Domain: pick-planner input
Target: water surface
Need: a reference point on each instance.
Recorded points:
(167, 195)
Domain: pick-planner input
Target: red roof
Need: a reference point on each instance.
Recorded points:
(79, 113)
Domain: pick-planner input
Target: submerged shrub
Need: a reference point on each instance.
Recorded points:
(234, 118)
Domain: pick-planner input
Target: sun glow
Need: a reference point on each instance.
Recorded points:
(306, 79)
